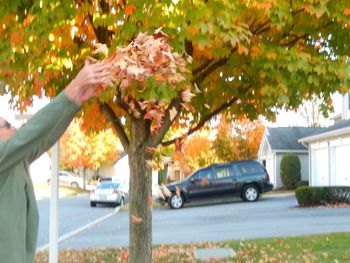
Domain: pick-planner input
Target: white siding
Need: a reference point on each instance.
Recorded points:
(346, 107)
(270, 168)
(279, 183)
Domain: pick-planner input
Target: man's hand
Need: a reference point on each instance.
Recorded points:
(83, 86)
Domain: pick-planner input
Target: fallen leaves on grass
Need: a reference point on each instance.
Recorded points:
(302, 249)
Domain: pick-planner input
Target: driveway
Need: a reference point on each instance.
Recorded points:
(272, 216)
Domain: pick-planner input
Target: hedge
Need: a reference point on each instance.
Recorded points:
(310, 195)
(290, 170)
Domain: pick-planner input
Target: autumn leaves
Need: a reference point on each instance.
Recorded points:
(146, 61)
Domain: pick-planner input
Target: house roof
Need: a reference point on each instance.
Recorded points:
(338, 129)
(286, 138)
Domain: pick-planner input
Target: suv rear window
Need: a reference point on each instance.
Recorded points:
(250, 168)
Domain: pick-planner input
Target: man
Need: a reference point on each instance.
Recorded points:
(19, 148)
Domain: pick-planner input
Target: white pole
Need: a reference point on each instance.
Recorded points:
(53, 249)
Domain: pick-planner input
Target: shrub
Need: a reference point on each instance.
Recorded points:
(302, 183)
(310, 196)
(290, 171)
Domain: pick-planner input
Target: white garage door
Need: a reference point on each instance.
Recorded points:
(341, 168)
(319, 167)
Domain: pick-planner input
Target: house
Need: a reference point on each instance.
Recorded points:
(278, 141)
(329, 151)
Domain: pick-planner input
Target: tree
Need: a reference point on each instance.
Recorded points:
(249, 58)
(83, 150)
(238, 140)
(196, 152)
(310, 111)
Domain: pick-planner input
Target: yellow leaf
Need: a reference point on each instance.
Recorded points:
(271, 56)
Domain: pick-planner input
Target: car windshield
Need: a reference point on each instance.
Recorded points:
(108, 186)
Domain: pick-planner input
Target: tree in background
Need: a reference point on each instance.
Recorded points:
(249, 58)
(310, 111)
(196, 152)
(238, 140)
(81, 150)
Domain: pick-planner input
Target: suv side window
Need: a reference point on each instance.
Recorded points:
(203, 177)
(224, 172)
(250, 168)
(205, 174)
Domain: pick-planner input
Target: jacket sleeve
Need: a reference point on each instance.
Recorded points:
(39, 133)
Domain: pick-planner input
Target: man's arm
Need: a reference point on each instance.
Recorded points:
(45, 127)
(39, 133)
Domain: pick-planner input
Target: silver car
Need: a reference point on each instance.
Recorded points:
(69, 179)
(108, 192)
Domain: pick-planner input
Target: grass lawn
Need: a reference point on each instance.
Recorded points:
(316, 248)
(45, 190)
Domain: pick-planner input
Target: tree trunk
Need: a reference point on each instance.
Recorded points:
(140, 207)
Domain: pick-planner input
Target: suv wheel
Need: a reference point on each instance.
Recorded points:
(176, 202)
(250, 193)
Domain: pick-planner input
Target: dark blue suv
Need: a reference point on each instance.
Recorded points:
(247, 179)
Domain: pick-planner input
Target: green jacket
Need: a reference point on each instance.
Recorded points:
(19, 218)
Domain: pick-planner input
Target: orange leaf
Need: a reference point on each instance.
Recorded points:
(15, 38)
(347, 12)
(150, 201)
(150, 150)
(129, 9)
(125, 256)
(136, 219)
(240, 50)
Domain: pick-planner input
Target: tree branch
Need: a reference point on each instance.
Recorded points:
(260, 27)
(212, 68)
(167, 122)
(201, 123)
(188, 47)
(116, 124)
(297, 38)
(298, 11)
(201, 67)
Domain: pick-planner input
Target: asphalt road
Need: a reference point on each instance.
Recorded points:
(271, 216)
